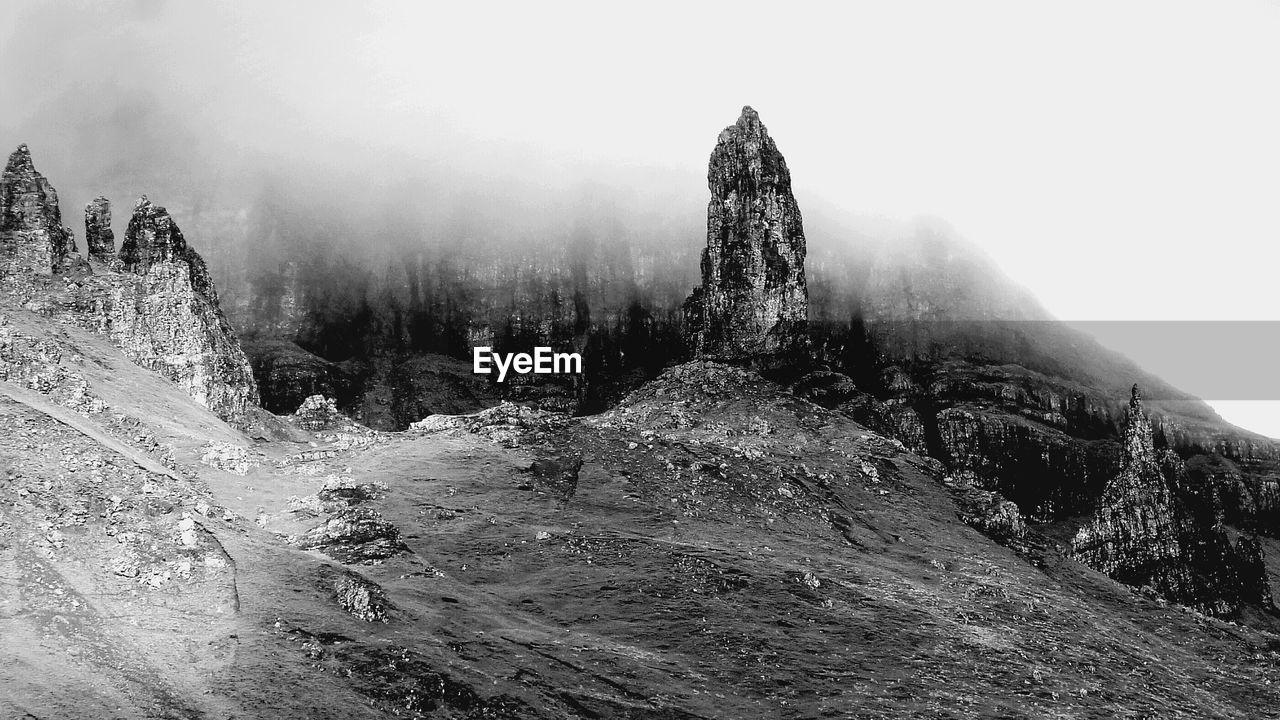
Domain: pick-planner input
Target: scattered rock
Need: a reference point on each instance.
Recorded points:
(359, 596)
(225, 456)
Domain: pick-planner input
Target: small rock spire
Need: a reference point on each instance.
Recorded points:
(99, 238)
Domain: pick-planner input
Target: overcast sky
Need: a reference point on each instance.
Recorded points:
(1122, 160)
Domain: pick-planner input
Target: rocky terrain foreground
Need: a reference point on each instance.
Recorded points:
(713, 547)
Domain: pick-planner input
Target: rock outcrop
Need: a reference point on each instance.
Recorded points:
(33, 239)
(1150, 530)
(753, 301)
(155, 302)
(99, 239)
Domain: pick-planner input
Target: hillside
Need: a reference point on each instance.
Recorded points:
(713, 547)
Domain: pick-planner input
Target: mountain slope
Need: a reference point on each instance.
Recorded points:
(714, 547)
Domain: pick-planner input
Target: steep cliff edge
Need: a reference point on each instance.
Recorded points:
(753, 301)
(155, 301)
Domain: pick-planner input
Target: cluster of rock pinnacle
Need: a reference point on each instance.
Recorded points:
(153, 299)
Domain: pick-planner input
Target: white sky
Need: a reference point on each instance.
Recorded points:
(1121, 159)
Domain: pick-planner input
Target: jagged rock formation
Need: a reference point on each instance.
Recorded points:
(1144, 534)
(753, 300)
(1134, 534)
(33, 239)
(162, 311)
(99, 239)
(152, 237)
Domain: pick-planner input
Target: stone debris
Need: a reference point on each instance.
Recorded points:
(508, 423)
(225, 456)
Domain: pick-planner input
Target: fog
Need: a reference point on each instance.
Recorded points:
(1119, 161)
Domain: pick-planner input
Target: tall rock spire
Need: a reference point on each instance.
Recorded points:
(32, 236)
(753, 301)
(98, 237)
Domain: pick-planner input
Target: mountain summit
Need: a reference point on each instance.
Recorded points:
(753, 300)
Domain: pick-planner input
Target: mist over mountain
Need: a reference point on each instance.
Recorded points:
(829, 450)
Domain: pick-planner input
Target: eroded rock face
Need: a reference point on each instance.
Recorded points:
(1153, 529)
(1048, 472)
(152, 237)
(753, 301)
(33, 239)
(100, 240)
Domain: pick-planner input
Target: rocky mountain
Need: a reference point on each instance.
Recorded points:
(912, 332)
(926, 516)
(154, 300)
(753, 302)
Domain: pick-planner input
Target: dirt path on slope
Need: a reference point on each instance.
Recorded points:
(71, 419)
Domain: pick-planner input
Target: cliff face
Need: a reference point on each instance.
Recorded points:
(155, 301)
(1151, 529)
(753, 300)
